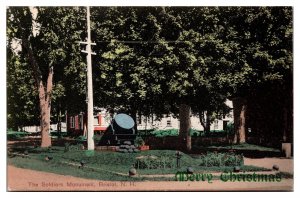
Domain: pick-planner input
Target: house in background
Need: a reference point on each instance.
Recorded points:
(76, 124)
(172, 122)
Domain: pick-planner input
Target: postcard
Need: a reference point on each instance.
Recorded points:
(151, 98)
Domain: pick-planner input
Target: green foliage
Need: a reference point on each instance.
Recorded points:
(229, 128)
(145, 132)
(193, 132)
(152, 59)
(154, 162)
(55, 166)
(54, 44)
(97, 138)
(67, 147)
(56, 134)
(221, 159)
(164, 133)
(16, 135)
(81, 139)
(76, 147)
(21, 93)
(112, 166)
(139, 141)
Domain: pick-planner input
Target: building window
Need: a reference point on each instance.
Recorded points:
(168, 123)
(96, 120)
(216, 124)
(72, 122)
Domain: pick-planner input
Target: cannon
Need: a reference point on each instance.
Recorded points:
(121, 129)
(122, 124)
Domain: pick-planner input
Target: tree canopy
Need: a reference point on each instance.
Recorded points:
(153, 59)
(47, 36)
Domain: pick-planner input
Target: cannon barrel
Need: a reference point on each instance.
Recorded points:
(121, 129)
(122, 124)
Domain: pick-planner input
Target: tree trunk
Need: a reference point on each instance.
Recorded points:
(185, 125)
(286, 145)
(45, 118)
(59, 119)
(44, 93)
(205, 122)
(287, 137)
(239, 113)
(285, 123)
(288, 117)
(45, 109)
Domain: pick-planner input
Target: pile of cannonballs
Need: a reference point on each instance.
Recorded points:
(127, 147)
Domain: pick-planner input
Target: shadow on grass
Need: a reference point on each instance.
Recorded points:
(247, 150)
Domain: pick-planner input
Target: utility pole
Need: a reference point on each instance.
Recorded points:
(89, 99)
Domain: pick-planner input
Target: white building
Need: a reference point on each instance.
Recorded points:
(171, 122)
(103, 119)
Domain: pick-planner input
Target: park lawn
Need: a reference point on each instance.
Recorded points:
(17, 132)
(19, 135)
(16, 135)
(105, 165)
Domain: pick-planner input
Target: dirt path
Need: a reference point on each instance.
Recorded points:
(29, 180)
(285, 165)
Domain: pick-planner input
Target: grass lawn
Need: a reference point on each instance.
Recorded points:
(105, 165)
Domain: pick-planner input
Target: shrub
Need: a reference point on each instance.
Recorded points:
(58, 134)
(229, 128)
(97, 138)
(145, 132)
(139, 141)
(16, 135)
(76, 147)
(164, 133)
(80, 139)
(154, 162)
(195, 133)
(221, 159)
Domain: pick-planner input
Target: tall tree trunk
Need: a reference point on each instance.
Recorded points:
(285, 125)
(239, 113)
(45, 108)
(185, 125)
(207, 127)
(288, 117)
(44, 93)
(287, 137)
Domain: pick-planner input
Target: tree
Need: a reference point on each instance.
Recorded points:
(17, 18)
(21, 94)
(163, 64)
(264, 58)
(46, 40)
(204, 57)
(125, 74)
(157, 59)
